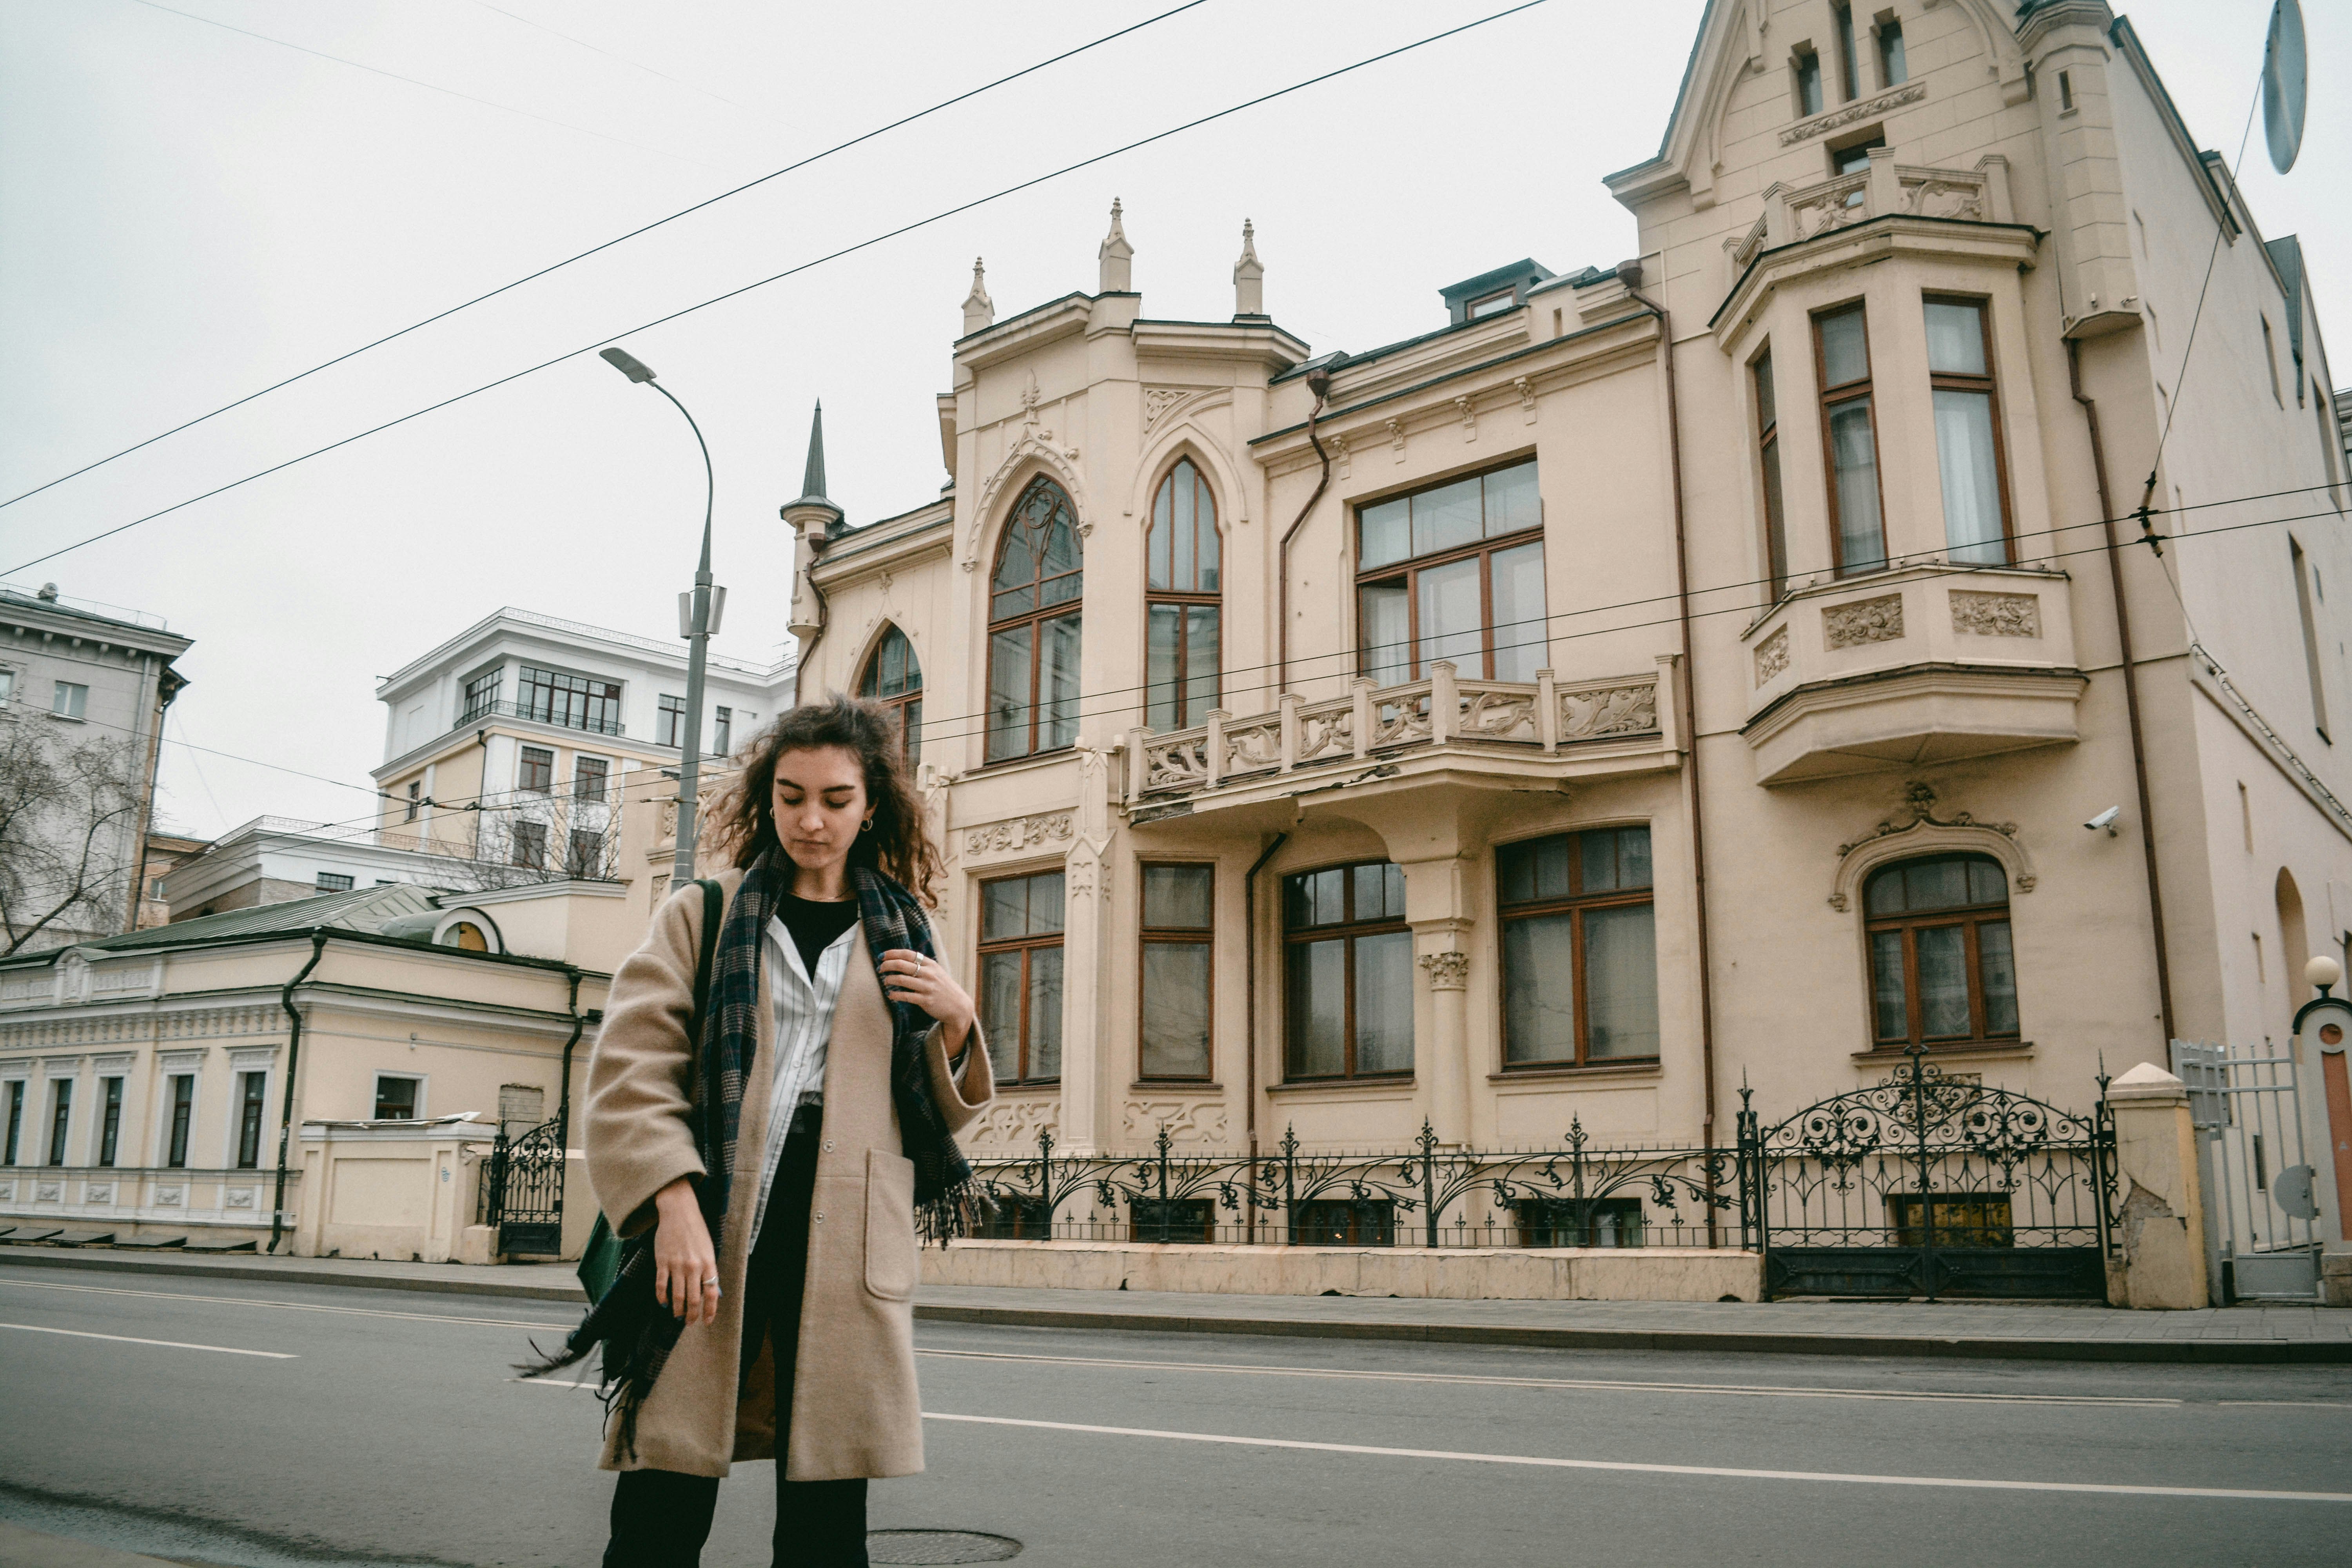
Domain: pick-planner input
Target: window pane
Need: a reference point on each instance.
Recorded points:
(1183, 568)
(1008, 693)
(1163, 624)
(1045, 902)
(1017, 566)
(1632, 856)
(1061, 551)
(1385, 630)
(1765, 417)
(1892, 70)
(1943, 981)
(1330, 890)
(1161, 552)
(1971, 476)
(1540, 989)
(1447, 518)
(1522, 644)
(1987, 884)
(1387, 532)
(1004, 908)
(1512, 502)
(1384, 1002)
(1392, 877)
(1809, 84)
(1846, 348)
(1936, 884)
(913, 728)
(1045, 1012)
(1887, 994)
(1209, 543)
(1621, 980)
(1885, 893)
(1371, 893)
(1956, 337)
(1854, 450)
(1000, 1010)
(2000, 977)
(1450, 618)
(1318, 1018)
(1176, 898)
(1057, 685)
(1776, 528)
(1199, 662)
(1175, 1009)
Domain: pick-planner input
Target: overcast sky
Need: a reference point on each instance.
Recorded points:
(188, 214)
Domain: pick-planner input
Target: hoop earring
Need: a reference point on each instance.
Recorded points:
(867, 826)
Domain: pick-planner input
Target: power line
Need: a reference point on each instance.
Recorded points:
(778, 277)
(418, 81)
(633, 65)
(591, 250)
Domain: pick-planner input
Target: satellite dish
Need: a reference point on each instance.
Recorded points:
(2285, 80)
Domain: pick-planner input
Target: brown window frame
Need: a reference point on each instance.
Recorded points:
(1025, 945)
(1204, 500)
(1576, 903)
(1770, 479)
(906, 705)
(109, 1126)
(1147, 936)
(253, 1093)
(592, 779)
(1348, 930)
(1971, 918)
(1408, 570)
(1829, 400)
(1990, 385)
(1035, 617)
(535, 772)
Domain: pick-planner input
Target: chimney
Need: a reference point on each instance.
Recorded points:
(978, 309)
(1249, 276)
(1116, 257)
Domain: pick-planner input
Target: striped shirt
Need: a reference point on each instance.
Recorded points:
(803, 1005)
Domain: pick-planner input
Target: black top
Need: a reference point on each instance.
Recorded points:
(815, 925)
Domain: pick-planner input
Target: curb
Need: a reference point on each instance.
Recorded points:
(2191, 1352)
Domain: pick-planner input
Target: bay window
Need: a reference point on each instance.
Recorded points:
(1767, 455)
(1850, 436)
(1967, 432)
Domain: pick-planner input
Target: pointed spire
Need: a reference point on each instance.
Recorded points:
(978, 309)
(814, 509)
(1249, 276)
(813, 479)
(1116, 257)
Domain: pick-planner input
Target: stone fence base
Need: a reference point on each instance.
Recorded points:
(1539, 1274)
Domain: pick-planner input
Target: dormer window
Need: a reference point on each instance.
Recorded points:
(1493, 304)
(1809, 83)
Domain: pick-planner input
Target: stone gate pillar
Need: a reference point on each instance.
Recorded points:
(2163, 1219)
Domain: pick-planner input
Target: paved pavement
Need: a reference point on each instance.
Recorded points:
(286, 1424)
(1950, 1328)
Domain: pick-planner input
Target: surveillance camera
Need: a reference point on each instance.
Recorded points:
(2105, 819)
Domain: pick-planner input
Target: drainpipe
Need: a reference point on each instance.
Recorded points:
(563, 1095)
(1318, 382)
(293, 1060)
(1249, 1008)
(2131, 684)
(1629, 273)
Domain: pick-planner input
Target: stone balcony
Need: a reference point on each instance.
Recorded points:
(1923, 664)
(1797, 212)
(1475, 731)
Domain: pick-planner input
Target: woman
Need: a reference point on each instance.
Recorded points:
(781, 1161)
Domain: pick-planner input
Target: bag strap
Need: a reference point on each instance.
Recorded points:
(714, 909)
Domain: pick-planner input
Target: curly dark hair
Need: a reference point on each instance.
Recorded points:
(898, 845)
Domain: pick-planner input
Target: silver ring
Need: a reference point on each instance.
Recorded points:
(712, 1280)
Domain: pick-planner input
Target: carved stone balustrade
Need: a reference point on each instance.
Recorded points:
(1547, 727)
(1792, 214)
(1921, 664)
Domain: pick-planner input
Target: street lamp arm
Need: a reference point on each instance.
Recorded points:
(710, 481)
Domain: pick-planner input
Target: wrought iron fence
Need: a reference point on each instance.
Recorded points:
(523, 1190)
(1577, 1195)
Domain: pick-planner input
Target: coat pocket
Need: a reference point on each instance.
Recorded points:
(892, 1257)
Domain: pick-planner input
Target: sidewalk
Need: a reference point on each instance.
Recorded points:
(22, 1548)
(2038, 1331)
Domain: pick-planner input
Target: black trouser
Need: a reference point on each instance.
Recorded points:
(660, 1518)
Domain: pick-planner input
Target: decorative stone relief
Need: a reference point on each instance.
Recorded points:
(98, 1193)
(171, 1197)
(1946, 198)
(1170, 764)
(1187, 1121)
(1854, 113)
(1396, 437)
(48, 1192)
(1338, 447)
(1015, 1123)
(1249, 747)
(1628, 709)
(1158, 400)
(1527, 391)
(1499, 716)
(1920, 818)
(1864, 621)
(1446, 971)
(1057, 460)
(1326, 731)
(1997, 614)
(1772, 656)
(1019, 833)
(1469, 418)
(7, 1191)
(1396, 724)
(239, 1198)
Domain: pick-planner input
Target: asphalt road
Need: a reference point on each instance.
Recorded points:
(267, 1424)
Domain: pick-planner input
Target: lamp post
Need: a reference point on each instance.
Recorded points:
(697, 615)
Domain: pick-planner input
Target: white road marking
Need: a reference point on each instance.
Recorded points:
(2297, 1404)
(1960, 1482)
(289, 1306)
(1601, 1384)
(168, 1345)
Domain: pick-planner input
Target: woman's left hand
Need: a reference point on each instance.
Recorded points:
(908, 976)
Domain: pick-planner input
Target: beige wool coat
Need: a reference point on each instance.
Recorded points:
(855, 1408)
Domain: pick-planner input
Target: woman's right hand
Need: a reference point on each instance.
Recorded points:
(686, 1269)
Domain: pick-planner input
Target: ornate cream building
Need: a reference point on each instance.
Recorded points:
(1660, 677)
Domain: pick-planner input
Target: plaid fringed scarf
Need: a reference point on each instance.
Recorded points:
(635, 1331)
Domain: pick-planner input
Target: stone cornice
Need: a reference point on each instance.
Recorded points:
(1947, 241)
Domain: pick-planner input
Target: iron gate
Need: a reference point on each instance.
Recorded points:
(522, 1190)
(2262, 1241)
(1930, 1185)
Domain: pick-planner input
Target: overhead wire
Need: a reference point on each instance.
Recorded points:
(906, 228)
(594, 249)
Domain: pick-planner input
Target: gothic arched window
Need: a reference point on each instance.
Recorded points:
(1942, 969)
(894, 679)
(1182, 607)
(1032, 627)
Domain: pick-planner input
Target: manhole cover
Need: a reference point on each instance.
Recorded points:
(896, 1546)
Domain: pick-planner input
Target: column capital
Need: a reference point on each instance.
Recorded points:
(1447, 970)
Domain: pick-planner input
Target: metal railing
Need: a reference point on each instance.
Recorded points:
(481, 711)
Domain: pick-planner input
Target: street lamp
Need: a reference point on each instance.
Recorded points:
(698, 614)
